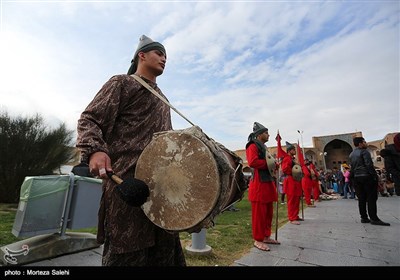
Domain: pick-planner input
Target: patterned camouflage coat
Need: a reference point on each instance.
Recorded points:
(120, 121)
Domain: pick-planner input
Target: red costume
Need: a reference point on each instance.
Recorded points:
(262, 192)
(292, 189)
(307, 184)
(315, 182)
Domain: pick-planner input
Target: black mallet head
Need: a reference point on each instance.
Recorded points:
(133, 191)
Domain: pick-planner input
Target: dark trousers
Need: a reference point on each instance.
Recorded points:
(397, 185)
(367, 193)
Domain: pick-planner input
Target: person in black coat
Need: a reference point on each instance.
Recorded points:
(391, 155)
(365, 179)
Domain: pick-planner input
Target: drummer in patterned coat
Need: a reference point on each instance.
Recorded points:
(112, 132)
(291, 187)
(262, 188)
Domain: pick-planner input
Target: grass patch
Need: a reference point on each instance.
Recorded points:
(7, 216)
(230, 238)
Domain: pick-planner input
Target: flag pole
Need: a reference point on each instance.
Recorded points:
(277, 203)
(279, 154)
(301, 162)
(302, 204)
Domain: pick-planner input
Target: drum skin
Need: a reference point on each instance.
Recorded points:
(183, 179)
(297, 173)
(271, 163)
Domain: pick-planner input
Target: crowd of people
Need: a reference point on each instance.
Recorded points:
(337, 181)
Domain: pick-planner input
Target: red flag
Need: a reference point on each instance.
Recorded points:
(280, 152)
(300, 154)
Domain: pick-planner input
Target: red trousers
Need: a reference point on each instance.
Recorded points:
(315, 190)
(261, 219)
(307, 194)
(293, 203)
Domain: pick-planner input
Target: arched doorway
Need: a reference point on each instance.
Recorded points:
(311, 156)
(337, 153)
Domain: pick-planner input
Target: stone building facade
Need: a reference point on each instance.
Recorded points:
(331, 151)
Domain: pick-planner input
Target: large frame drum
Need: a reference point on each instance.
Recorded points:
(191, 178)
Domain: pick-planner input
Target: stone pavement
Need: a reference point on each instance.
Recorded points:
(331, 235)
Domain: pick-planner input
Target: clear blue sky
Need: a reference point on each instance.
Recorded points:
(319, 67)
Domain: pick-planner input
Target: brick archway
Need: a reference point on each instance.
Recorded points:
(337, 152)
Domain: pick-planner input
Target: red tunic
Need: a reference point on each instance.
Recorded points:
(307, 184)
(306, 180)
(259, 191)
(290, 185)
(315, 182)
(315, 172)
(292, 189)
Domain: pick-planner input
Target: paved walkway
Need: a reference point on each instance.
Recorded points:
(331, 235)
